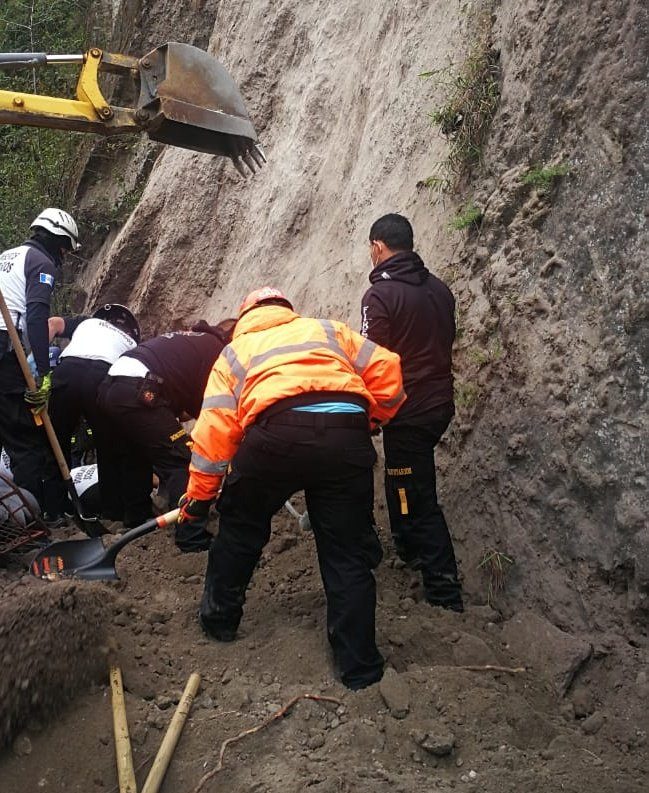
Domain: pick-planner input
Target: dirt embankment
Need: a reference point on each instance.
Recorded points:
(547, 459)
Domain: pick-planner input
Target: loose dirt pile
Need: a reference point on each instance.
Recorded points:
(576, 719)
(52, 644)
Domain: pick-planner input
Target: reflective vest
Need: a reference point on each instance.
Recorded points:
(276, 354)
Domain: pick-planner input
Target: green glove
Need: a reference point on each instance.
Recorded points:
(38, 398)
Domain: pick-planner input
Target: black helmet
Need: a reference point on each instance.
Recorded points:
(121, 317)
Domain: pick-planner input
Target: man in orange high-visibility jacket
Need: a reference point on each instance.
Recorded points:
(306, 393)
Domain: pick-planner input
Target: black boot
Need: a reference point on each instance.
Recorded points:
(443, 590)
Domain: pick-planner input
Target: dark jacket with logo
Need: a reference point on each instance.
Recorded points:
(27, 277)
(411, 312)
(184, 361)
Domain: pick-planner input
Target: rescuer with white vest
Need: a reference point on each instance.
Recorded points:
(289, 406)
(28, 275)
(95, 344)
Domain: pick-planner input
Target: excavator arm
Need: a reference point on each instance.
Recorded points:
(186, 99)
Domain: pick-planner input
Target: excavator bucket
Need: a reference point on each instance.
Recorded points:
(188, 99)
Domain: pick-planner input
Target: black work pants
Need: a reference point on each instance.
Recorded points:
(24, 442)
(151, 440)
(333, 465)
(75, 383)
(418, 526)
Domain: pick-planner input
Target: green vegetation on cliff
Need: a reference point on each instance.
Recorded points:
(37, 166)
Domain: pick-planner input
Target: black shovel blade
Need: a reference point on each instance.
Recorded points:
(90, 560)
(63, 559)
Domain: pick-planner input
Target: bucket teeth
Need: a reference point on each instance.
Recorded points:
(238, 164)
(257, 156)
(249, 161)
(256, 149)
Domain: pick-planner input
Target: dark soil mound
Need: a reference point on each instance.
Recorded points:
(52, 643)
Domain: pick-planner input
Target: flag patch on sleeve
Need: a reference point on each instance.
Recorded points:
(46, 278)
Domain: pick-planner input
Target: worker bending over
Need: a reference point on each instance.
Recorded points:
(28, 274)
(288, 407)
(146, 394)
(95, 344)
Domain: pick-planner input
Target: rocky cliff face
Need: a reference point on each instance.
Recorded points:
(546, 461)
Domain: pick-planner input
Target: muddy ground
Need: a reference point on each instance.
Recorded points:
(575, 720)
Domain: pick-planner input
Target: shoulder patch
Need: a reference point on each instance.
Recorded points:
(46, 278)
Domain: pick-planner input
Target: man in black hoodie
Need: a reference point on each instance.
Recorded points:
(411, 312)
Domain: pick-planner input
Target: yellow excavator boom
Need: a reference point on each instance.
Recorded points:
(186, 99)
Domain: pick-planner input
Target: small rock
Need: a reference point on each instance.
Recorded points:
(407, 604)
(316, 741)
(163, 702)
(582, 702)
(283, 543)
(139, 734)
(158, 616)
(156, 720)
(193, 579)
(227, 676)
(396, 694)
(22, 746)
(472, 651)
(436, 740)
(473, 775)
(121, 619)
(593, 723)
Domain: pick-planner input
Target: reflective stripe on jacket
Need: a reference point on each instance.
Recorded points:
(276, 354)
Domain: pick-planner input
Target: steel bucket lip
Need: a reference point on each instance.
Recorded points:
(190, 88)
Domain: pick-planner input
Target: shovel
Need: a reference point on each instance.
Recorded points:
(302, 519)
(90, 559)
(90, 525)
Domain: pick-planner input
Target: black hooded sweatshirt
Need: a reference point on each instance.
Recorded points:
(411, 312)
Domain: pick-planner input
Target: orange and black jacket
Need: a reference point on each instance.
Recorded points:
(276, 354)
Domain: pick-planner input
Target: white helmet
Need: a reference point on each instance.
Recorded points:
(58, 222)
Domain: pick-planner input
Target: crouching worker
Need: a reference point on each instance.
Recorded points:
(145, 395)
(305, 392)
(95, 343)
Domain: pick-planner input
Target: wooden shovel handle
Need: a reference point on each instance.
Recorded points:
(31, 385)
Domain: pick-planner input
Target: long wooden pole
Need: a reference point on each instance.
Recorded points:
(123, 755)
(43, 418)
(168, 745)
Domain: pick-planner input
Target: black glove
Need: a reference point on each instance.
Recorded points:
(192, 509)
(39, 397)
